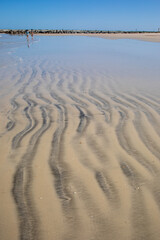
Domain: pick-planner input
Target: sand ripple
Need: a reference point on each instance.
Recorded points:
(80, 157)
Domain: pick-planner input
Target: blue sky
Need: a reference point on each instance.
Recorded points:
(80, 14)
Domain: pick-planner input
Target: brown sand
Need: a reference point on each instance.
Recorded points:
(79, 159)
(148, 37)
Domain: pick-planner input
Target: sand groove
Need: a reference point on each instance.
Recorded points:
(31, 123)
(22, 184)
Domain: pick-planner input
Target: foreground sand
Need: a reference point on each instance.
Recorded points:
(148, 37)
(79, 157)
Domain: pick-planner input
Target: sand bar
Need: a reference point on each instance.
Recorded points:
(149, 37)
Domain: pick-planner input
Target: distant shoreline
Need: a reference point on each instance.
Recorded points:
(149, 37)
(137, 35)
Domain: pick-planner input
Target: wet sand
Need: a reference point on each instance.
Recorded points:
(148, 37)
(79, 154)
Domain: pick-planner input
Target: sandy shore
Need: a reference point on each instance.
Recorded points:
(79, 155)
(149, 37)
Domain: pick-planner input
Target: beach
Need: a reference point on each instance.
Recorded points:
(113, 35)
(80, 137)
(148, 37)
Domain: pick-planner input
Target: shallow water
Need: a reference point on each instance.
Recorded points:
(79, 138)
(129, 61)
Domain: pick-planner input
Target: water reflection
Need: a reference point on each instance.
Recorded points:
(29, 41)
(28, 45)
(126, 60)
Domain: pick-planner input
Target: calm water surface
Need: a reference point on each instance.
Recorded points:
(130, 61)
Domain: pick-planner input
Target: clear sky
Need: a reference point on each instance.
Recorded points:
(80, 14)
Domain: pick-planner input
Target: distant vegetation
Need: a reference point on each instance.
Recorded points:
(47, 31)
